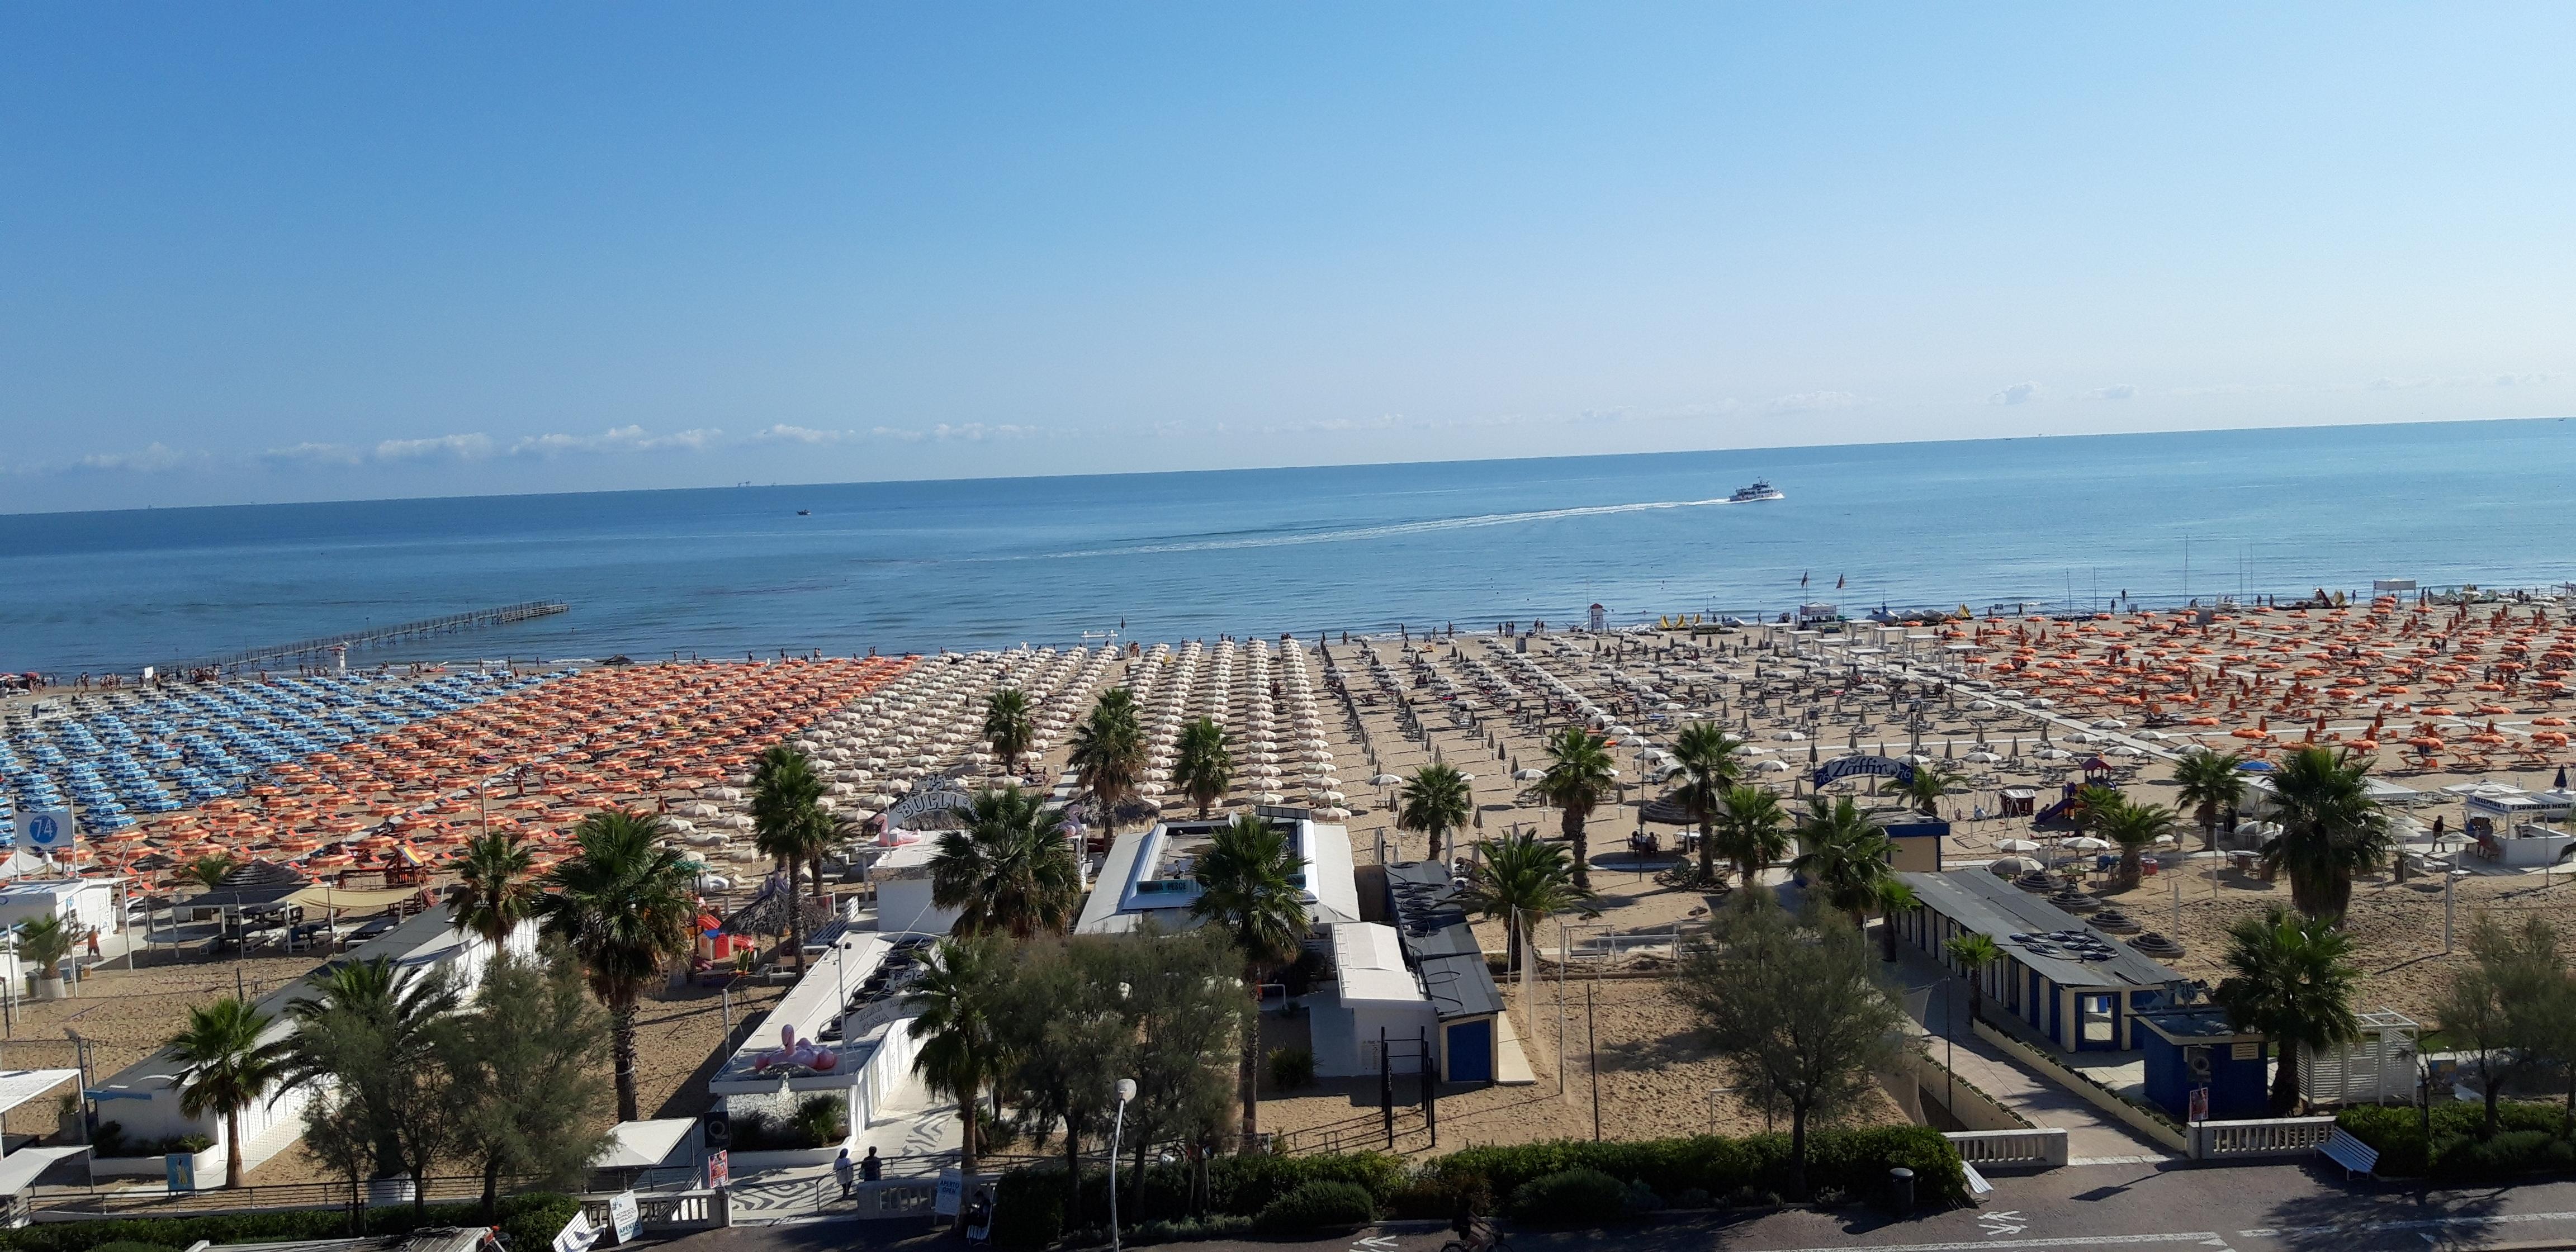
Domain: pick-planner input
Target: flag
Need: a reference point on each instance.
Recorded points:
(1838, 582)
(1802, 580)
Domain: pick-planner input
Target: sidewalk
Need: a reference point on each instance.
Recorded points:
(917, 1138)
(2092, 1138)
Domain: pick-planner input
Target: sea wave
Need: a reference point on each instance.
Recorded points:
(1352, 533)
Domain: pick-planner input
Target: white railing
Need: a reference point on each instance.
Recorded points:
(2042, 1146)
(2268, 1136)
(668, 1211)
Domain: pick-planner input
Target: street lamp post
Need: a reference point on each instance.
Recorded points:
(1126, 1091)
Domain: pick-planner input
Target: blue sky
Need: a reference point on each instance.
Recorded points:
(314, 251)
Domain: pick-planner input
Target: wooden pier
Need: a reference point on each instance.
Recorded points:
(453, 623)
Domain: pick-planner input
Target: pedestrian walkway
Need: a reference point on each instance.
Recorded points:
(916, 1136)
(1939, 1001)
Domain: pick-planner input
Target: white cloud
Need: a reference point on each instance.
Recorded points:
(309, 453)
(2402, 384)
(2524, 380)
(784, 433)
(467, 447)
(963, 432)
(1812, 402)
(2018, 393)
(616, 439)
(152, 458)
(2116, 391)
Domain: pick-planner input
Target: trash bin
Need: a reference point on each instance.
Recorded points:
(1900, 1190)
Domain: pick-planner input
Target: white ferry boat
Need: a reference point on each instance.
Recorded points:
(1760, 490)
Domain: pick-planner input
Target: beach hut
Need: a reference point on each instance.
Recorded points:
(1448, 965)
(1379, 1015)
(1914, 842)
(2072, 986)
(2199, 1066)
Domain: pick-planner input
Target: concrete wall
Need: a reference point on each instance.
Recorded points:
(903, 904)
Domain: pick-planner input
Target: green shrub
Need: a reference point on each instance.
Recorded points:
(1291, 1068)
(1315, 1207)
(1191, 1229)
(1854, 1161)
(2398, 1132)
(129, 1245)
(825, 1119)
(1574, 1197)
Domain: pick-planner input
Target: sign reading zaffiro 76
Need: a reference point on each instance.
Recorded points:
(1842, 767)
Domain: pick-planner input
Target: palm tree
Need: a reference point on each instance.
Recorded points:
(961, 1051)
(1523, 880)
(395, 1029)
(2294, 982)
(1752, 828)
(1705, 755)
(1578, 778)
(2208, 782)
(208, 871)
(2092, 800)
(1927, 785)
(1974, 952)
(1435, 801)
(623, 903)
(1009, 726)
(1108, 755)
(496, 885)
(1204, 766)
(1842, 851)
(45, 940)
(1010, 871)
(2331, 828)
(789, 826)
(227, 1068)
(1891, 896)
(2135, 828)
(1247, 887)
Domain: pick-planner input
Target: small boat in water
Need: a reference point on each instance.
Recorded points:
(1760, 490)
(804, 512)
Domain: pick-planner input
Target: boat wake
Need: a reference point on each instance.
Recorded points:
(1389, 530)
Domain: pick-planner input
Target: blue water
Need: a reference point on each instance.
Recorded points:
(901, 566)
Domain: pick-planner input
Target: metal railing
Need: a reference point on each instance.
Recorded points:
(501, 615)
(668, 1210)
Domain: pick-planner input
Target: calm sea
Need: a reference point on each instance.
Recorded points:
(902, 566)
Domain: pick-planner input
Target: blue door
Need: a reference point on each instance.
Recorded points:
(1471, 1051)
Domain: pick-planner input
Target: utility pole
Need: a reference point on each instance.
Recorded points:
(1591, 1026)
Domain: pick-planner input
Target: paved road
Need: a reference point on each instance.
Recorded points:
(2273, 1208)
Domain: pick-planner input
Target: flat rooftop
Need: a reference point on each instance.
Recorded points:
(2036, 933)
(1439, 943)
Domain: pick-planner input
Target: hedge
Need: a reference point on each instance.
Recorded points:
(1317, 1207)
(1031, 1199)
(1577, 1197)
(530, 1220)
(2525, 1133)
(1854, 1162)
